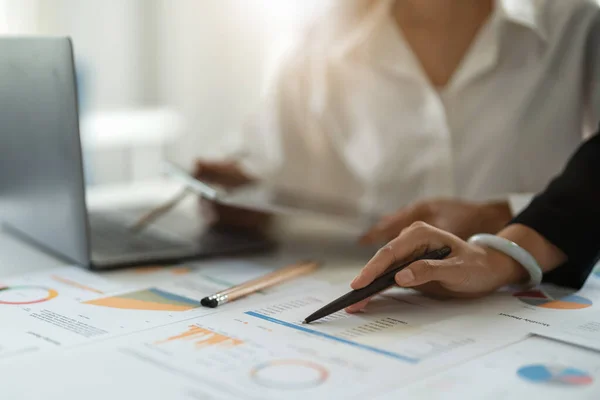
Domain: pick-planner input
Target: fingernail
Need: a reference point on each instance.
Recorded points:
(405, 277)
(355, 281)
(353, 310)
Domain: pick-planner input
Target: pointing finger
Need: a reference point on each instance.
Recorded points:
(358, 307)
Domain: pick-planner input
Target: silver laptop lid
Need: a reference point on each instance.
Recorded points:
(42, 194)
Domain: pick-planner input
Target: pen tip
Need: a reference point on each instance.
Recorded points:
(304, 322)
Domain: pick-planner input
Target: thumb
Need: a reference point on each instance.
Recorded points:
(447, 272)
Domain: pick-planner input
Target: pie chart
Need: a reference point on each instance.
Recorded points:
(554, 375)
(25, 294)
(289, 374)
(555, 299)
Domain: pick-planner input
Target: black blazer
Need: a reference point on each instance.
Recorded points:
(567, 214)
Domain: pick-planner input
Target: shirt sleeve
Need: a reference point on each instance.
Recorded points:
(567, 214)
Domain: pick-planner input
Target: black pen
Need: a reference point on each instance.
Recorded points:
(383, 282)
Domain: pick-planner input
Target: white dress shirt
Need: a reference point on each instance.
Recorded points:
(350, 113)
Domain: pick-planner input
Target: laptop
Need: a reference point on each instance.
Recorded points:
(42, 189)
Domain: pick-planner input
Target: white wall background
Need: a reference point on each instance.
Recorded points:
(206, 59)
(213, 59)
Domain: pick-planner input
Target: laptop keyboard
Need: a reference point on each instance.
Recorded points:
(111, 236)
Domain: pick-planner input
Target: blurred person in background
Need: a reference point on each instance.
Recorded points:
(454, 110)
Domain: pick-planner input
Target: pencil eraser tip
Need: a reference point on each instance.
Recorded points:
(210, 303)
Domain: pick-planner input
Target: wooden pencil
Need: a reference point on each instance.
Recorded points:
(271, 279)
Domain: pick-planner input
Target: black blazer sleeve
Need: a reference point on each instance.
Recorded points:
(567, 214)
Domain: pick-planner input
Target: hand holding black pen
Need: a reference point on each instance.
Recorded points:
(383, 282)
(472, 270)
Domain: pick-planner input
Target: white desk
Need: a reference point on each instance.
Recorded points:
(17, 257)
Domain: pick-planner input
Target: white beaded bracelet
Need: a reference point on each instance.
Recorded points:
(514, 251)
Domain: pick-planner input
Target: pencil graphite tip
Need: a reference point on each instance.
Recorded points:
(304, 322)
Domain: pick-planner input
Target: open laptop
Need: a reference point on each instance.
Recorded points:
(42, 192)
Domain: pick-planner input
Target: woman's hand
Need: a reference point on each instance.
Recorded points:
(228, 175)
(469, 271)
(224, 173)
(464, 219)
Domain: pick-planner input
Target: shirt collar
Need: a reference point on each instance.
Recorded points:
(526, 13)
(364, 27)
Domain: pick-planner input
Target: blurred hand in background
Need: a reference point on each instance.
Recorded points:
(460, 218)
(229, 175)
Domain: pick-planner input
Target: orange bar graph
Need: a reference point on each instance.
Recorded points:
(203, 338)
